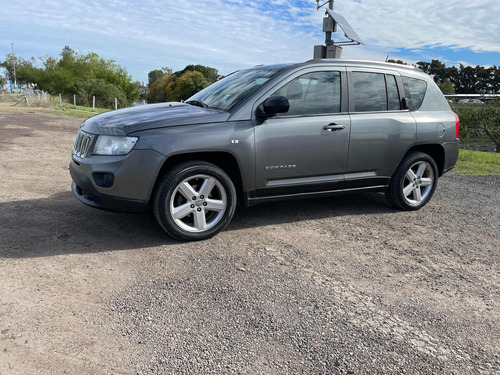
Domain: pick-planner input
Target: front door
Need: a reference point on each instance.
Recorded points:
(305, 149)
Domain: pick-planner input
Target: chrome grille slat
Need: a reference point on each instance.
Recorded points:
(85, 146)
(82, 144)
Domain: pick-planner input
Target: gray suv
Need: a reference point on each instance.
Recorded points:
(268, 133)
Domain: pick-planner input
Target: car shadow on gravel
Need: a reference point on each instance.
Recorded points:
(62, 225)
(291, 211)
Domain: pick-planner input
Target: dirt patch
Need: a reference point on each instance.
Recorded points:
(338, 285)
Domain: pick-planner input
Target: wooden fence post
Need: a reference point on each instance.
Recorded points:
(74, 101)
(60, 100)
(93, 103)
(116, 103)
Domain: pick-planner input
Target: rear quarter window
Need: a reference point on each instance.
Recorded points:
(415, 91)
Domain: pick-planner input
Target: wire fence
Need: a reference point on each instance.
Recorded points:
(40, 98)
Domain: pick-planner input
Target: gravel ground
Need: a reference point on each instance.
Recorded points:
(344, 285)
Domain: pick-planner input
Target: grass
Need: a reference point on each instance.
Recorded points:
(477, 163)
(66, 109)
(68, 106)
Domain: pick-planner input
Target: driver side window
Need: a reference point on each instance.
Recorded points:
(312, 94)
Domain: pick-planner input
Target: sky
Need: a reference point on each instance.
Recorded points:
(235, 34)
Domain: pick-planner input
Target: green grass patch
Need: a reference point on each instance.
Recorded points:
(477, 163)
(81, 108)
(68, 110)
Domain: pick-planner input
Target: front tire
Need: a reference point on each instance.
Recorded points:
(194, 201)
(414, 182)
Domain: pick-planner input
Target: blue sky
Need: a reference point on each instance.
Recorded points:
(234, 34)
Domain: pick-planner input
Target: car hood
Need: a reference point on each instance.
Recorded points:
(150, 116)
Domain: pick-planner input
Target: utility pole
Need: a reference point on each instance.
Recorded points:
(14, 62)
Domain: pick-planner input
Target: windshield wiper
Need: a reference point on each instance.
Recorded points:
(197, 103)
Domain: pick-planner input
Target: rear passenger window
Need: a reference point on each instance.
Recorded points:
(415, 92)
(393, 103)
(312, 94)
(369, 92)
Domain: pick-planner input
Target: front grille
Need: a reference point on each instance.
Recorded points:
(82, 144)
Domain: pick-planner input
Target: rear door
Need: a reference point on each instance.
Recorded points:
(381, 131)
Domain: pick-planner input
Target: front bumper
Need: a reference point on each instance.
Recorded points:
(134, 177)
(85, 191)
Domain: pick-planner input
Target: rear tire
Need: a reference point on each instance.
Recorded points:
(194, 201)
(414, 182)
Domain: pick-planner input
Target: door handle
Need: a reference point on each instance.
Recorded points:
(333, 127)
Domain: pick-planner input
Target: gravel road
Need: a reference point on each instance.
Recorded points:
(344, 285)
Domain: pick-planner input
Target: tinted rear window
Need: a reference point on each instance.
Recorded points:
(415, 91)
(369, 92)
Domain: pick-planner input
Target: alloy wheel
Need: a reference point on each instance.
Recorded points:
(418, 182)
(198, 203)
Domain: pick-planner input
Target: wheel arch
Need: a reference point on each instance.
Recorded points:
(435, 151)
(224, 160)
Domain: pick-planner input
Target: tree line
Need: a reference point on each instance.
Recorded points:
(462, 79)
(88, 75)
(167, 86)
(83, 75)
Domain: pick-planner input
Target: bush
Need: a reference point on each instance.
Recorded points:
(104, 92)
(477, 121)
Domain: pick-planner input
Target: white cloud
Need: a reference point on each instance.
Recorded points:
(427, 23)
(233, 34)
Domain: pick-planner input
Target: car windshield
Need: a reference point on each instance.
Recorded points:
(232, 90)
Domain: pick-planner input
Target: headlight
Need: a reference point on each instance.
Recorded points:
(114, 145)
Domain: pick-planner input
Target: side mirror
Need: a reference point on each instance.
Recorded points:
(405, 103)
(272, 106)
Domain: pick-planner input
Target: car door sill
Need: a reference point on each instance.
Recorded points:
(255, 200)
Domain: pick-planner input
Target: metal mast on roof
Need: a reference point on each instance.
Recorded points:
(332, 49)
(329, 29)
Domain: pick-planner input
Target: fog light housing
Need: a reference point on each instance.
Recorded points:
(104, 179)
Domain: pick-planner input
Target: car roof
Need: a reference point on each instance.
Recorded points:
(362, 63)
(343, 62)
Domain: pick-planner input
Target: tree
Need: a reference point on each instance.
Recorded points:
(189, 84)
(154, 76)
(83, 75)
(158, 89)
(446, 87)
(438, 71)
(182, 84)
(20, 63)
(8, 65)
(467, 80)
(210, 74)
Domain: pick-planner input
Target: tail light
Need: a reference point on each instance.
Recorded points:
(457, 125)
